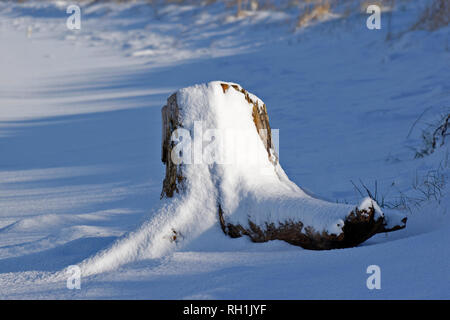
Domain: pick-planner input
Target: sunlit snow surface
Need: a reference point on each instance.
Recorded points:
(80, 134)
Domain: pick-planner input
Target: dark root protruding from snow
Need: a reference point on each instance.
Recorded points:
(359, 226)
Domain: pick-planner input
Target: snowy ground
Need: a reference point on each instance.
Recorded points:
(80, 133)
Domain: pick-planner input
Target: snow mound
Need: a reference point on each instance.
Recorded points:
(247, 189)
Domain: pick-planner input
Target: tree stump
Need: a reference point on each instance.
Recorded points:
(359, 224)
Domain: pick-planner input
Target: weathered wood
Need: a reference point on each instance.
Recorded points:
(173, 181)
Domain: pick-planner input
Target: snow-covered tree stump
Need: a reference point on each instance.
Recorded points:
(263, 205)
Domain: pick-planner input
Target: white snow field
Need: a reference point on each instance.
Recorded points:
(80, 142)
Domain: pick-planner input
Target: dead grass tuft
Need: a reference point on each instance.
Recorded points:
(314, 13)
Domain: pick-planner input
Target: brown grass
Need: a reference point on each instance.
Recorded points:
(317, 12)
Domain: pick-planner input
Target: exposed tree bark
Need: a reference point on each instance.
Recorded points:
(173, 181)
(359, 225)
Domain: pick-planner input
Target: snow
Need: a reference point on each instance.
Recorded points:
(80, 169)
